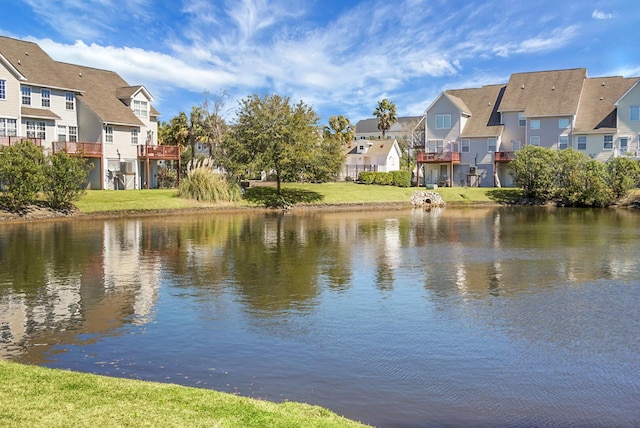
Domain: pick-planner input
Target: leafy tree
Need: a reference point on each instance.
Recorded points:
(273, 135)
(624, 175)
(534, 170)
(571, 177)
(386, 114)
(21, 173)
(65, 179)
(339, 129)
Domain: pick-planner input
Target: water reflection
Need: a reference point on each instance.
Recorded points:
(390, 317)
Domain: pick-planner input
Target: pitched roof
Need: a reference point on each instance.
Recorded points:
(368, 126)
(34, 64)
(482, 104)
(597, 110)
(39, 113)
(376, 147)
(101, 91)
(544, 93)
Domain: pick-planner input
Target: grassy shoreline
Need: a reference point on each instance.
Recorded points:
(40, 397)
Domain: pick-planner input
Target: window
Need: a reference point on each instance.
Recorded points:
(108, 134)
(69, 101)
(563, 142)
(3, 89)
(624, 145)
(36, 129)
(443, 121)
(26, 95)
(45, 94)
(455, 147)
(62, 133)
(535, 124)
(134, 135)
(582, 142)
(521, 119)
(465, 146)
(491, 145)
(534, 141)
(563, 123)
(73, 134)
(140, 108)
(8, 127)
(608, 142)
(634, 113)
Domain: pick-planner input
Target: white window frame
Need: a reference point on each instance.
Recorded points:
(607, 142)
(6, 130)
(534, 124)
(45, 97)
(443, 121)
(36, 129)
(582, 143)
(634, 113)
(492, 142)
(140, 108)
(73, 134)
(135, 136)
(25, 91)
(70, 103)
(455, 147)
(563, 123)
(62, 132)
(108, 134)
(465, 145)
(624, 149)
(534, 140)
(3, 89)
(522, 121)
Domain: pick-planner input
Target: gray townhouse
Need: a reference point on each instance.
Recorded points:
(472, 134)
(83, 111)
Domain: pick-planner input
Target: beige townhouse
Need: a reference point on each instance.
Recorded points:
(81, 110)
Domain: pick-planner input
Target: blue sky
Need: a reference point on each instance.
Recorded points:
(341, 57)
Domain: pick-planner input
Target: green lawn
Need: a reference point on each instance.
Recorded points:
(33, 396)
(327, 193)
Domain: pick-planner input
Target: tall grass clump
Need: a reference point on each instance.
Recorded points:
(205, 185)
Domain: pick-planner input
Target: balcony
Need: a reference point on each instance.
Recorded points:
(504, 156)
(439, 157)
(74, 148)
(158, 152)
(9, 141)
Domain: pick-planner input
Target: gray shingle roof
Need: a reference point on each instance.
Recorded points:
(40, 113)
(597, 111)
(483, 104)
(370, 126)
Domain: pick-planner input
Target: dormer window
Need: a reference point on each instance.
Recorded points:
(140, 108)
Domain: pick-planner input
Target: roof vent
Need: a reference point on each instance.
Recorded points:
(26, 53)
(603, 83)
(553, 88)
(19, 62)
(522, 86)
(601, 98)
(80, 74)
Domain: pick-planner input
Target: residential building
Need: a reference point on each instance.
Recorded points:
(371, 155)
(81, 110)
(404, 127)
(473, 134)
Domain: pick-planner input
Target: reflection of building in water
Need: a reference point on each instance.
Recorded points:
(116, 285)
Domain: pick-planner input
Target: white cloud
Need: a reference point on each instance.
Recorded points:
(598, 14)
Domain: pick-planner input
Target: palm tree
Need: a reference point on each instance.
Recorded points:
(386, 114)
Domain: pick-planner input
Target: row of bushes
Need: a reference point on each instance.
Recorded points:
(393, 178)
(26, 173)
(571, 178)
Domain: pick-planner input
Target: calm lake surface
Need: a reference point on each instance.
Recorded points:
(482, 316)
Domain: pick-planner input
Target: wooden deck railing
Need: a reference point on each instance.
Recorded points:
(8, 141)
(424, 157)
(158, 152)
(78, 148)
(505, 156)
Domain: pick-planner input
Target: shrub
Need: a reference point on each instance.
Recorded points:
(366, 177)
(206, 185)
(167, 178)
(624, 175)
(534, 170)
(21, 173)
(401, 178)
(65, 179)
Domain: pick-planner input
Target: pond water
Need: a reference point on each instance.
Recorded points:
(449, 317)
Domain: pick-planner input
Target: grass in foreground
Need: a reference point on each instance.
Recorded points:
(39, 397)
(326, 193)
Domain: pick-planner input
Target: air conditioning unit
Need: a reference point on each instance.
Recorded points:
(472, 170)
